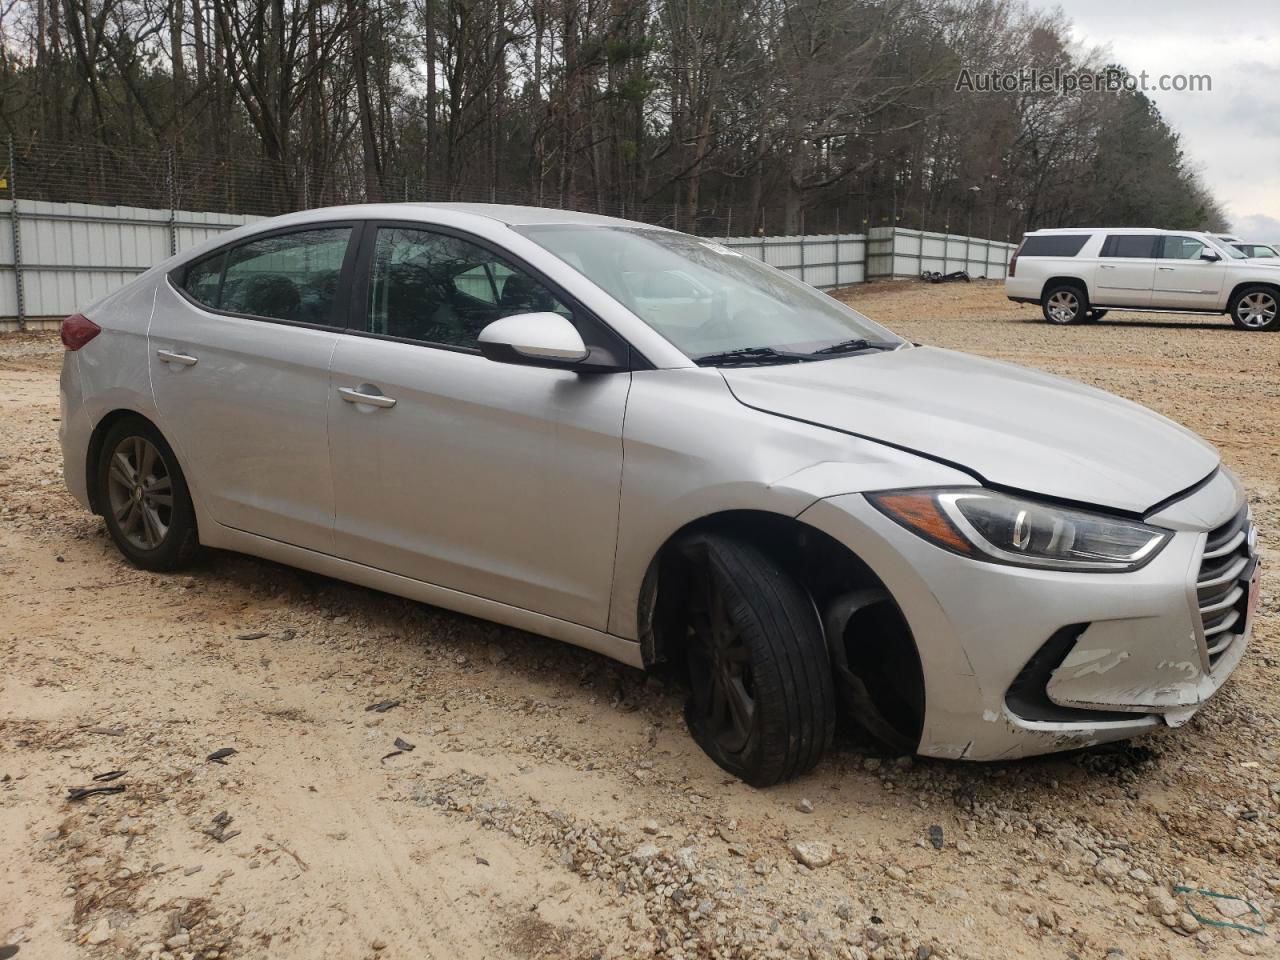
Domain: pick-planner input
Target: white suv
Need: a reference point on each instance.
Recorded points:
(1078, 275)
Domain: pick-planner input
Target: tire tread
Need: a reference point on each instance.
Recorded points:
(792, 679)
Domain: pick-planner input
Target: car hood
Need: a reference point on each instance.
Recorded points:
(1010, 426)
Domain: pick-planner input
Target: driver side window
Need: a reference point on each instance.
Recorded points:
(1182, 248)
(440, 289)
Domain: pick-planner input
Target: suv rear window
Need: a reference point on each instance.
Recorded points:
(1130, 246)
(1053, 245)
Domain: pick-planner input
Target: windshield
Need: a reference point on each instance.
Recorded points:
(1229, 250)
(708, 299)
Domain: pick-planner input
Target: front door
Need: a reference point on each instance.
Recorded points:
(239, 347)
(495, 480)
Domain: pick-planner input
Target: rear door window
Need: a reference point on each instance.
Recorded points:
(1053, 245)
(1131, 246)
(291, 276)
(288, 276)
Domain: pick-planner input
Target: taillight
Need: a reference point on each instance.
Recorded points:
(77, 330)
(1013, 261)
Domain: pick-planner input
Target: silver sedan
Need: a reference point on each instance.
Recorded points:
(649, 445)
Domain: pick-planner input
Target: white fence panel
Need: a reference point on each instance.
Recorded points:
(915, 252)
(75, 253)
(824, 261)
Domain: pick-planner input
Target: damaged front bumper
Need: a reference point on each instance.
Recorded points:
(1021, 661)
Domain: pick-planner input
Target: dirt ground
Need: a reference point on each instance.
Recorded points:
(552, 804)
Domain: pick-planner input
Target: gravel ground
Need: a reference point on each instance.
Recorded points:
(552, 804)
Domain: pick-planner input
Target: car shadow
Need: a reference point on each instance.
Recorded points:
(1223, 324)
(1167, 324)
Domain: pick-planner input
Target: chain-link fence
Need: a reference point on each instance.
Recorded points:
(78, 222)
(169, 178)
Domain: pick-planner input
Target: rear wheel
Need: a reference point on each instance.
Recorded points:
(1256, 308)
(1065, 304)
(762, 703)
(144, 497)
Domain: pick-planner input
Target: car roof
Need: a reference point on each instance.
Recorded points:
(508, 214)
(1119, 231)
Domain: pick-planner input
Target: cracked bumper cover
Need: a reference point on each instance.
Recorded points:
(1135, 659)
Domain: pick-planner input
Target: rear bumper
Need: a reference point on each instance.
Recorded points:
(1020, 661)
(74, 429)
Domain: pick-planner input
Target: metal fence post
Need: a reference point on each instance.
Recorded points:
(17, 235)
(173, 202)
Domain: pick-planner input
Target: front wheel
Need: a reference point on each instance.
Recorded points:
(762, 701)
(1255, 309)
(1065, 304)
(144, 497)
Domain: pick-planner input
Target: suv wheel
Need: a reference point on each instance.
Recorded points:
(144, 497)
(1065, 304)
(1255, 308)
(762, 701)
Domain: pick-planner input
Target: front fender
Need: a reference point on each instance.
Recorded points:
(692, 451)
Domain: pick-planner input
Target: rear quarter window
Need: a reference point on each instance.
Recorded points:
(203, 280)
(1053, 245)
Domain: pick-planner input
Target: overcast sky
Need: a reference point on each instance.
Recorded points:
(1232, 134)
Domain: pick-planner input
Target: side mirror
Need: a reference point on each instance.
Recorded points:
(1210, 256)
(533, 339)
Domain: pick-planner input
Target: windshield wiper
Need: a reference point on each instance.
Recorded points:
(855, 346)
(749, 356)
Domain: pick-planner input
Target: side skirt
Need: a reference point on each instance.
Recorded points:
(227, 538)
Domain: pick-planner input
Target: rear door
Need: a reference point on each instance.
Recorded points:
(1183, 279)
(495, 480)
(240, 345)
(1126, 270)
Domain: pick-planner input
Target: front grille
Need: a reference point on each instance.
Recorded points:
(1222, 587)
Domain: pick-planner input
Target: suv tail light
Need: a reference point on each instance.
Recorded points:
(1013, 262)
(77, 330)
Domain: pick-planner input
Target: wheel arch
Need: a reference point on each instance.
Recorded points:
(1241, 287)
(1064, 281)
(94, 452)
(847, 594)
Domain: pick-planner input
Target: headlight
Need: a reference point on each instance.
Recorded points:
(998, 528)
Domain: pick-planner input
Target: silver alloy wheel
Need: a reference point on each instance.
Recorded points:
(1258, 309)
(140, 491)
(1064, 306)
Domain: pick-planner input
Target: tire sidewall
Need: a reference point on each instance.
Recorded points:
(1082, 305)
(771, 753)
(1235, 308)
(180, 541)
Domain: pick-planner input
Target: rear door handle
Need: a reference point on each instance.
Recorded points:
(355, 395)
(168, 356)
(1165, 268)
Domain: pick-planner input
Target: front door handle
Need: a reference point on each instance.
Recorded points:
(168, 356)
(355, 395)
(1165, 268)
